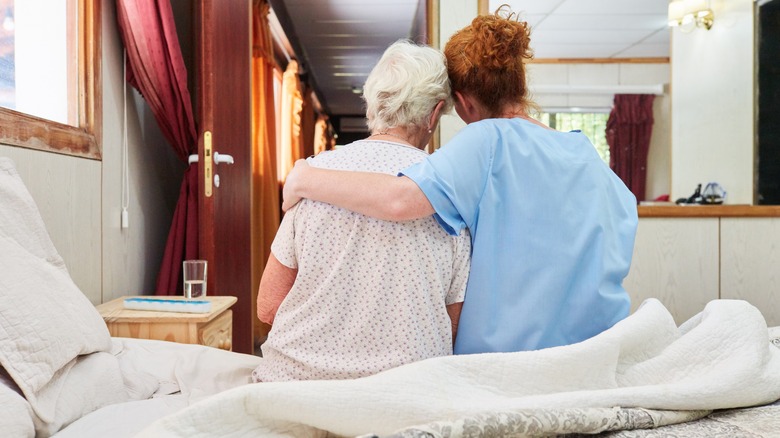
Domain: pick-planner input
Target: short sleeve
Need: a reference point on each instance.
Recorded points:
(460, 268)
(283, 246)
(454, 177)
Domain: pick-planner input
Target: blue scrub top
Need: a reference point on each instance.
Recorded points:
(552, 230)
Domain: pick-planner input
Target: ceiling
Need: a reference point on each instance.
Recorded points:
(339, 41)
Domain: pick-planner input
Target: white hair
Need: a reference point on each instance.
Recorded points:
(405, 86)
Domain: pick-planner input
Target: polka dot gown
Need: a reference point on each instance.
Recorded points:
(370, 294)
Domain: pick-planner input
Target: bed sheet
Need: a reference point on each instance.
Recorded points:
(163, 378)
(757, 422)
(123, 420)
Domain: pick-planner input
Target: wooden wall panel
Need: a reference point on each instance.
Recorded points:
(67, 191)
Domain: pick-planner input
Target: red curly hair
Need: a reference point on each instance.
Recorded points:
(487, 60)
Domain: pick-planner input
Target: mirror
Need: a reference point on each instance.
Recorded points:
(768, 118)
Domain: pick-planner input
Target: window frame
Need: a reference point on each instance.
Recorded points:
(85, 141)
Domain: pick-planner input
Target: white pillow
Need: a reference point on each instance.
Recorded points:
(45, 320)
(15, 416)
(82, 386)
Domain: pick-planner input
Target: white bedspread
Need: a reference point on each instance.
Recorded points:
(721, 358)
(161, 378)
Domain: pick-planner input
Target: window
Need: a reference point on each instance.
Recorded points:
(50, 93)
(593, 125)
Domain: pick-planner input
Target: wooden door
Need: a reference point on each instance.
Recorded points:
(222, 82)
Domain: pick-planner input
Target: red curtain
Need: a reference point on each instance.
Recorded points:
(629, 127)
(155, 67)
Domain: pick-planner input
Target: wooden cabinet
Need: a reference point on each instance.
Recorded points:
(750, 263)
(676, 261)
(688, 256)
(219, 332)
(213, 329)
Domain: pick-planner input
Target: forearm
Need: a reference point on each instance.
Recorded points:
(275, 284)
(378, 195)
(453, 310)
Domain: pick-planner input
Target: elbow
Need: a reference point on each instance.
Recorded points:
(264, 314)
(397, 210)
(405, 201)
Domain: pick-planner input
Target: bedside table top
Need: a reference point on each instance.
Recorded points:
(114, 311)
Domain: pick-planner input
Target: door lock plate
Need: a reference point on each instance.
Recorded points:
(207, 163)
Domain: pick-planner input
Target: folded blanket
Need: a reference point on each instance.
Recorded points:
(721, 358)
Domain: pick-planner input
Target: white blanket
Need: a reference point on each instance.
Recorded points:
(173, 375)
(721, 358)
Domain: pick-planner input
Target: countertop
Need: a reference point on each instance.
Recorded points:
(672, 210)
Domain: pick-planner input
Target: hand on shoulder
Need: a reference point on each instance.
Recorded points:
(290, 195)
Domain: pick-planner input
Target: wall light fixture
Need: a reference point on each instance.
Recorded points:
(690, 14)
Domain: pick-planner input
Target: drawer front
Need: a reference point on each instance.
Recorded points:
(219, 332)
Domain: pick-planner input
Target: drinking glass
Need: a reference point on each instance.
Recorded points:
(194, 272)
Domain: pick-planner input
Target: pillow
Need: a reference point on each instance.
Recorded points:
(85, 384)
(15, 416)
(45, 320)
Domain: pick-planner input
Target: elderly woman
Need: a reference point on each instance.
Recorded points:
(360, 295)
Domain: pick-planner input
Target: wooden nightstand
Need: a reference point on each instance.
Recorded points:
(214, 329)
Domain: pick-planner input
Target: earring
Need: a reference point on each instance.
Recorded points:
(430, 131)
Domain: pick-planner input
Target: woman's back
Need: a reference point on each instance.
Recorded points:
(552, 233)
(369, 294)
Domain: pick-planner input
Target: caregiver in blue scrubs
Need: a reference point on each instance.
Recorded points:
(552, 227)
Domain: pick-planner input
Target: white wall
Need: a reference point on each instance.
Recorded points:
(712, 104)
(80, 199)
(453, 16)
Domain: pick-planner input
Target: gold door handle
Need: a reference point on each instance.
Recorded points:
(207, 162)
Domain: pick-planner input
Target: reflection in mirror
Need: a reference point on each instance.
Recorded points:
(592, 124)
(580, 65)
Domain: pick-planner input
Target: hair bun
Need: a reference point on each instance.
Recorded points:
(499, 42)
(487, 60)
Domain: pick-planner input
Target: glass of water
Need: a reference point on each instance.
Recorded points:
(194, 278)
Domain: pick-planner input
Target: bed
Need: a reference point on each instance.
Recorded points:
(62, 375)
(643, 377)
